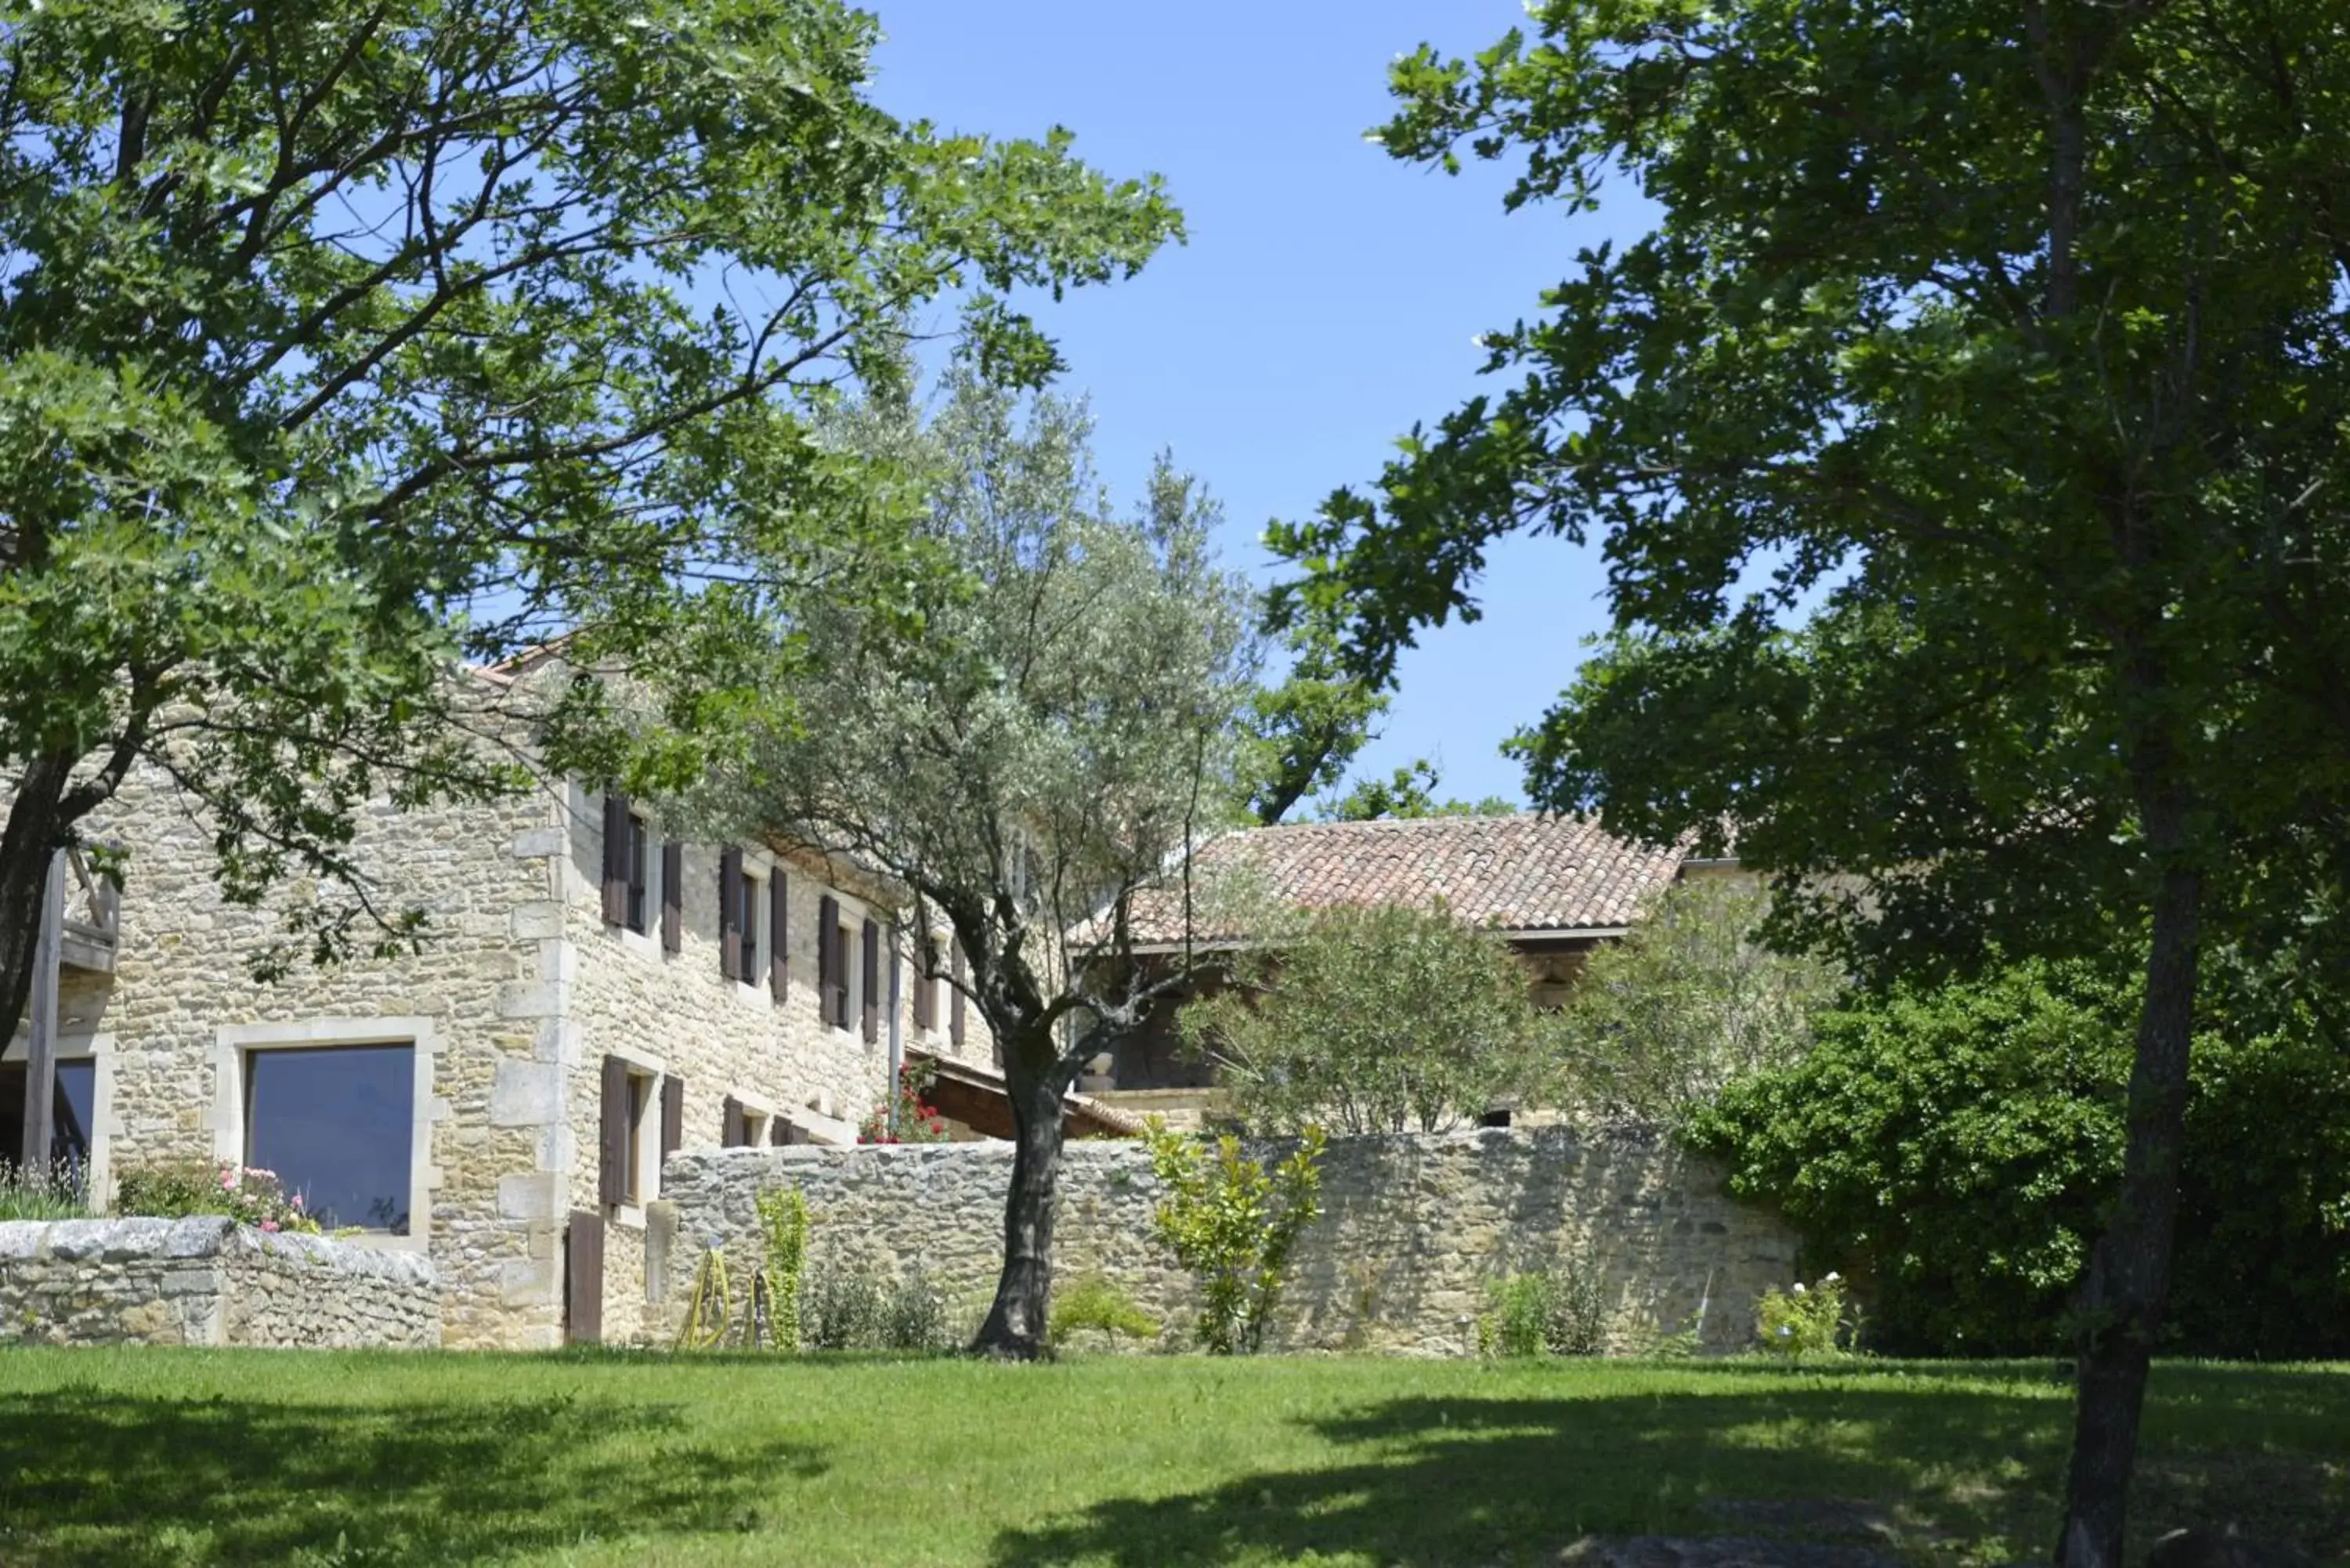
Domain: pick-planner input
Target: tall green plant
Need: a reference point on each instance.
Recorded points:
(1233, 1224)
(783, 1227)
(1374, 1020)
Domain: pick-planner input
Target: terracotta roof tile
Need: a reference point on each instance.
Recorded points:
(1519, 873)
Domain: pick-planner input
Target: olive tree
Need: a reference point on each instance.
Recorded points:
(1041, 740)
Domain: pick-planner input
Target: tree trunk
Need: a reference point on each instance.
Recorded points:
(36, 829)
(2129, 1271)
(1015, 1329)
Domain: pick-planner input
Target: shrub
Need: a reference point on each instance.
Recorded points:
(783, 1227)
(1807, 1321)
(175, 1188)
(1374, 1020)
(38, 1192)
(1543, 1312)
(1094, 1304)
(1233, 1224)
(1952, 1147)
(904, 1116)
(853, 1307)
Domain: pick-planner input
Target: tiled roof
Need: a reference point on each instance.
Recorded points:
(1519, 873)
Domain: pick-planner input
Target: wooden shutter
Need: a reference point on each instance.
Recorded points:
(954, 999)
(828, 957)
(731, 1135)
(612, 1136)
(672, 1114)
(779, 1132)
(730, 913)
(583, 1279)
(672, 897)
(779, 943)
(617, 870)
(925, 985)
(872, 980)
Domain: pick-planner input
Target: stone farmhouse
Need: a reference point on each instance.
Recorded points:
(591, 997)
(1553, 887)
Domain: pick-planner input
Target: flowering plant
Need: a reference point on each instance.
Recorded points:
(905, 1116)
(1813, 1320)
(246, 1194)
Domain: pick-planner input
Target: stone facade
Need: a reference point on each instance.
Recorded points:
(518, 992)
(208, 1281)
(1414, 1230)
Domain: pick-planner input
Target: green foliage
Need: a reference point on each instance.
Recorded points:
(1408, 792)
(345, 343)
(857, 1306)
(1233, 1225)
(904, 1115)
(1954, 1147)
(1094, 1304)
(1689, 1001)
(1298, 737)
(35, 1192)
(1372, 1019)
(1543, 1312)
(784, 1230)
(173, 1188)
(1807, 1321)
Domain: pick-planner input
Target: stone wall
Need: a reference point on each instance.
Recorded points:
(1413, 1231)
(208, 1281)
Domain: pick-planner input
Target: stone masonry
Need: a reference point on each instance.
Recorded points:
(208, 1281)
(1414, 1230)
(518, 992)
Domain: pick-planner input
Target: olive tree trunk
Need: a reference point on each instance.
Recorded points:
(38, 826)
(1015, 1328)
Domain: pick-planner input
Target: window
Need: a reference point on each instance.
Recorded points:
(639, 849)
(738, 918)
(844, 941)
(336, 1124)
(71, 1116)
(640, 1099)
(746, 926)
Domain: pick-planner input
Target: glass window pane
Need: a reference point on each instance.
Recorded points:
(336, 1124)
(70, 1118)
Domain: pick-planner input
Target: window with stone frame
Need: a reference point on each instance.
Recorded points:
(336, 1124)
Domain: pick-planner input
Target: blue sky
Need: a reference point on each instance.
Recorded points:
(1328, 299)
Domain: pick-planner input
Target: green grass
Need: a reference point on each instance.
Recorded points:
(152, 1458)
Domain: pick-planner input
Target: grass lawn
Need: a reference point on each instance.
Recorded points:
(156, 1457)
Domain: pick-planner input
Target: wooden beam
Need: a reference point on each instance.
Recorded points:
(41, 1053)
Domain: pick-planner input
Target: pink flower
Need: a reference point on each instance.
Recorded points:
(297, 1200)
(228, 1180)
(269, 1224)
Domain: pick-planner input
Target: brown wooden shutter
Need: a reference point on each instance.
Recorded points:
(583, 1279)
(617, 870)
(672, 897)
(827, 956)
(672, 1114)
(779, 941)
(730, 912)
(612, 1136)
(925, 967)
(872, 980)
(779, 1132)
(731, 1135)
(954, 999)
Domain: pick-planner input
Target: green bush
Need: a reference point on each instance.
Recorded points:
(784, 1230)
(1952, 1149)
(1807, 1321)
(1233, 1224)
(174, 1189)
(1094, 1304)
(854, 1306)
(1543, 1312)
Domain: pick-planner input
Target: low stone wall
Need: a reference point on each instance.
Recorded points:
(208, 1281)
(1414, 1230)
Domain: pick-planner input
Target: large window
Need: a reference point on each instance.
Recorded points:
(336, 1124)
(70, 1121)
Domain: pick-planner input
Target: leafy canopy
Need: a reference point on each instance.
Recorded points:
(341, 341)
(1377, 1019)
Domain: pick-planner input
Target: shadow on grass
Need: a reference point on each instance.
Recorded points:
(131, 1481)
(1957, 1473)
